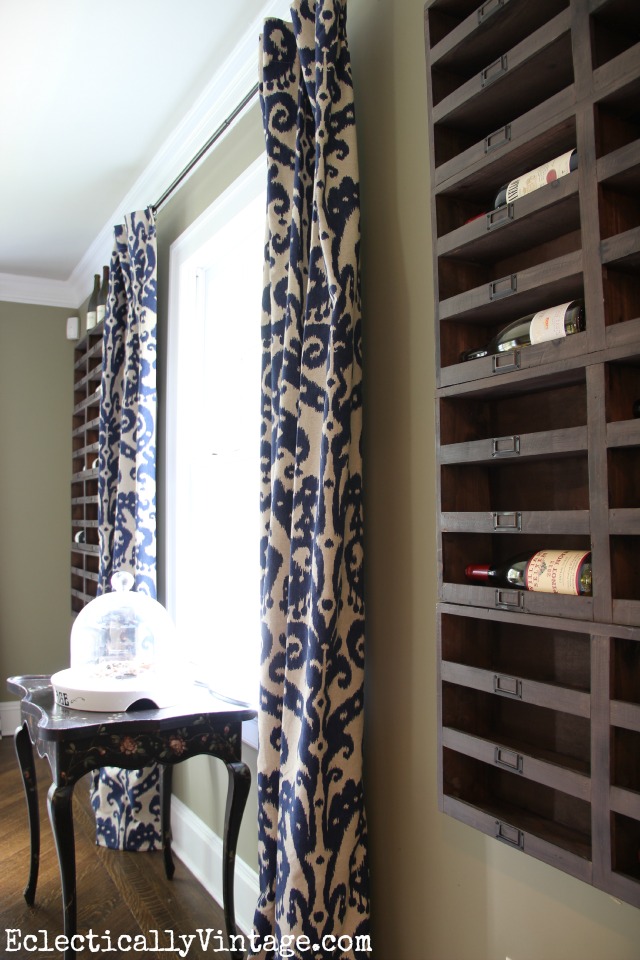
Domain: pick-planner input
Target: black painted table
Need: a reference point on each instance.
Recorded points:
(76, 742)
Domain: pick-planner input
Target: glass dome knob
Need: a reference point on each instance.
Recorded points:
(121, 581)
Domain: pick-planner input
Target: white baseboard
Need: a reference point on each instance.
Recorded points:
(200, 849)
(9, 717)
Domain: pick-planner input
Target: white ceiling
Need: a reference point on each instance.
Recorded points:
(101, 105)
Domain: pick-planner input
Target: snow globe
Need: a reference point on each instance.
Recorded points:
(123, 654)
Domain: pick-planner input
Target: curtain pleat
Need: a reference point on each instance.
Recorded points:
(126, 803)
(127, 477)
(312, 826)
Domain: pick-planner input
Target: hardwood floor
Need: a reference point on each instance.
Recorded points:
(118, 893)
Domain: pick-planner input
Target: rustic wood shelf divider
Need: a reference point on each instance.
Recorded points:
(539, 446)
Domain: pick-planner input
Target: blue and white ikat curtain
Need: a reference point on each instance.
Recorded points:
(126, 804)
(312, 828)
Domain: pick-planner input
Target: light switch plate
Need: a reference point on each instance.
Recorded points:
(73, 328)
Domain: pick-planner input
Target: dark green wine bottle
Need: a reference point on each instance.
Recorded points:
(101, 306)
(560, 321)
(92, 306)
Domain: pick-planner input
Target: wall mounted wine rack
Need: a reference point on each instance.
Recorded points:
(84, 475)
(539, 694)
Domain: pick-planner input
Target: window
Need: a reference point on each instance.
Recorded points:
(213, 423)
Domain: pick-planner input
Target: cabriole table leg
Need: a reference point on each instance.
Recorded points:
(237, 793)
(166, 780)
(24, 752)
(61, 817)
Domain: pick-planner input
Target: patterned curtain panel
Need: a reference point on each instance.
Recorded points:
(127, 803)
(312, 829)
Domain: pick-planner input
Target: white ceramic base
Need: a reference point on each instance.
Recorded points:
(75, 690)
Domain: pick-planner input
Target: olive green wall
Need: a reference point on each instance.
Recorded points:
(36, 398)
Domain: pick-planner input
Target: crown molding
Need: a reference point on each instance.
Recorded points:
(229, 84)
(38, 290)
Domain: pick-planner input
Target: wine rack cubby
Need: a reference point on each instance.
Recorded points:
(539, 447)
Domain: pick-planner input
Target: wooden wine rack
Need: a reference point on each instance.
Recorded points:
(84, 474)
(539, 695)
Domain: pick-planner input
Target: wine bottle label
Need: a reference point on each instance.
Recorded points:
(546, 173)
(555, 571)
(91, 319)
(100, 312)
(548, 324)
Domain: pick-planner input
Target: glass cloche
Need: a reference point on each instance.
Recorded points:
(123, 653)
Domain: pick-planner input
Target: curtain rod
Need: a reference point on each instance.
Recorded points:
(205, 147)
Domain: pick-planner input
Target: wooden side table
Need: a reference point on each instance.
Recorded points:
(75, 742)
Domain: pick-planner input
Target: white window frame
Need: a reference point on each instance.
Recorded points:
(184, 258)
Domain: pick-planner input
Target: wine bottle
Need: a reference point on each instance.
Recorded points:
(545, 571)
(537, 177)
(101, 306)
(636, 408)
(92, 306)
(560, 321)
